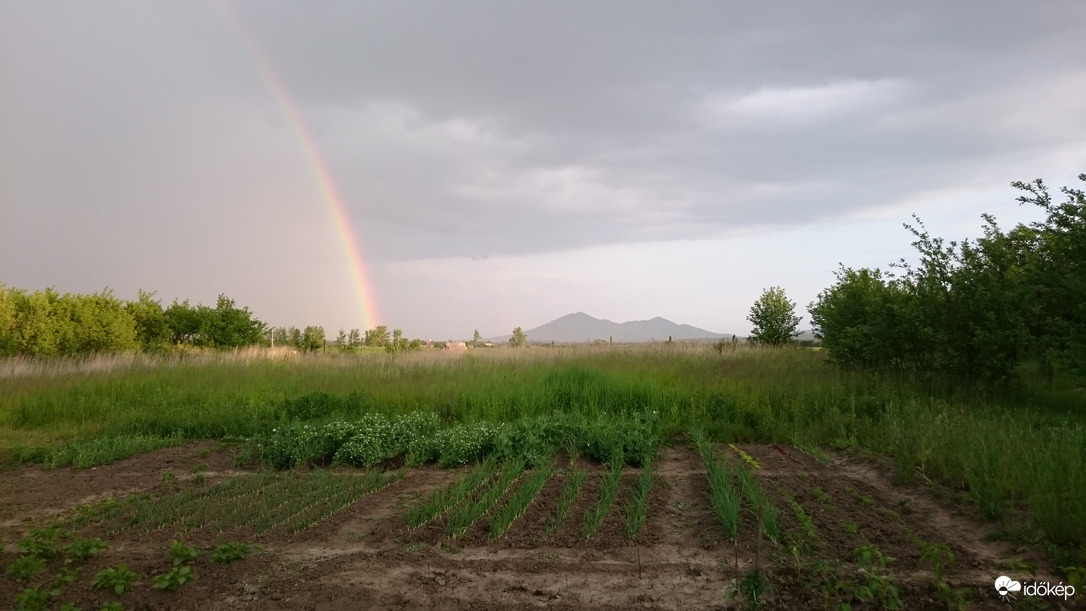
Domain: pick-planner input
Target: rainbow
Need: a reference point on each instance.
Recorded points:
(352, 251)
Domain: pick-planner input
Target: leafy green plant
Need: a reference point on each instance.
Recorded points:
(119, 579)
(83, 549)
(754, 586)
(40, 542)
(35, 599)
(69, 606)
(24, 568)
(181, 553)
(173, 579)
(226, 553)
(67, 575)
(112, 606)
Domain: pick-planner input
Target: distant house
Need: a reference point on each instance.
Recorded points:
(456, 346)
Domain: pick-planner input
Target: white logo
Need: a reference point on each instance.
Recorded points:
(1005, 585)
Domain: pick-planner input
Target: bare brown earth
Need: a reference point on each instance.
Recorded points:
(363, 557)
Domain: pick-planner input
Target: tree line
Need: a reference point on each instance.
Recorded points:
(48, 323)
(971, 311)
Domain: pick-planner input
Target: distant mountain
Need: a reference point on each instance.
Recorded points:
(580, 327)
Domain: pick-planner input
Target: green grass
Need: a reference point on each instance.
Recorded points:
(1012, 451)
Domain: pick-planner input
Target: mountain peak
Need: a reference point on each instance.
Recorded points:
(579, 327)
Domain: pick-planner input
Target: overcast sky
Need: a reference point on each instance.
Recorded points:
(506, 163)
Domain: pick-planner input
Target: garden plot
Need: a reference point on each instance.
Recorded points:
(570, 534)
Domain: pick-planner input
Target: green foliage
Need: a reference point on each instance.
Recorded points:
(519, 339)
(230, 552)
(86, 454)
(969, 312)
(313, 339)
(174, 578)
(112, 606)
(181, 553)
(119, 579)
(724, 499)
(152, 329)
(595, 514)
(566, 499)
(377, 337)
(519, 500)
(40, 542)
(637, 512)
(463, 516)
(83, 549)
(24, 568)
(442, 500)
(774, 318)
(35, 599)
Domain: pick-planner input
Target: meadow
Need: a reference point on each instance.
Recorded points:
(1014, 455)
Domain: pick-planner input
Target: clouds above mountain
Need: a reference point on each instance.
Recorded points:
(504, 130)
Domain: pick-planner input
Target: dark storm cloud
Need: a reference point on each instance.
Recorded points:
(502, 128)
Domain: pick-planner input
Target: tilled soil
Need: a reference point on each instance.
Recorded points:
(364, 557)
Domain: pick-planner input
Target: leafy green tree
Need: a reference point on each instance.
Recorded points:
(1057, 274)
(8, 340)
(313, 338)
(475, 339)
(377, 337)
(279, 336)
(774, 318)
(152, 330)
(341, 339)
(354, 338)
(184, 322)
(519, 339)
(229, 326)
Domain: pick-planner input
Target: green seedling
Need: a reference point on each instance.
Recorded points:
(40, 542)
(81, 549)
(118, 579)
(24, 568)
(35, 599)
(230, 552)
(175, 578)
(181, 553)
